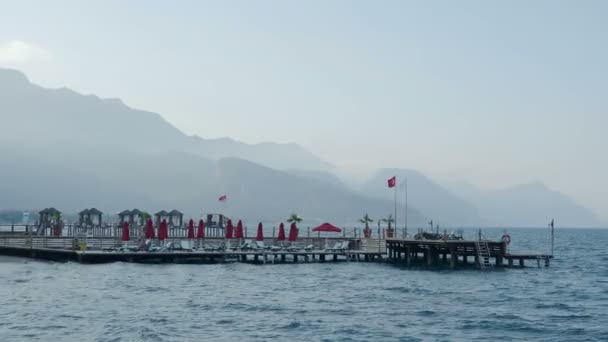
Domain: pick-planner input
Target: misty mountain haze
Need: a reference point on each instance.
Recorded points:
(63, 149)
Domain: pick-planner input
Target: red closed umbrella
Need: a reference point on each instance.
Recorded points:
(239, 230)
(229, 229)
(281, 236)
(293, 232)
(163, 231)
(125, 231)
(260, 236)
(191, 229)
(201, 230)
(149, 231)
(327, 227)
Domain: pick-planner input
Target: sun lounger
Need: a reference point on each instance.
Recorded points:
(259, 245)
(336, 247)
(219, 247)
(345, 246)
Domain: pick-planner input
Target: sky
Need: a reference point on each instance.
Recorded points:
(491, 93)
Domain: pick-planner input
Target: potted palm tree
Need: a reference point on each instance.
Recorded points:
(366, 220)
(389, 231)
(294, 218)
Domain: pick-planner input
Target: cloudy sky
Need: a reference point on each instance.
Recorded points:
(493, 93)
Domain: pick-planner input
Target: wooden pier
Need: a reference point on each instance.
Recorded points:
(406, 252)
(456, 253)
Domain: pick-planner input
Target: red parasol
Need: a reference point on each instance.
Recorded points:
(229, 229)
(125, 232)
(260, 236)
(163, 232)
(281, 236)
(293, 232)
(239, 230)
(191, 229)
(201, 230)
(149, 231)
(327, 227)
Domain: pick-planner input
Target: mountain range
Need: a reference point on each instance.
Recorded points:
(64, 149)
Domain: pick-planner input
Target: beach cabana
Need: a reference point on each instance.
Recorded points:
(176, 218)
(124, 216)
(160, 216)
(49, 217)
(90, 217)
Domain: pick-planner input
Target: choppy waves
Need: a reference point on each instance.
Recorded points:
(310, 302)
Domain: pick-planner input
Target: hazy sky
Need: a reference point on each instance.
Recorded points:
(494, 93)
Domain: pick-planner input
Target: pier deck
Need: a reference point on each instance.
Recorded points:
(458, 252)
(409, 252)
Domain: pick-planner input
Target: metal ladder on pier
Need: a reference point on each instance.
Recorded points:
(483, 254)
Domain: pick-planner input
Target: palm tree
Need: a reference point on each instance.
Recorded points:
(294, 218)
(389, 230)
(366, 220)
(389, 220)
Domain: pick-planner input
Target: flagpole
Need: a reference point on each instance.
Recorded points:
(405, 217)
(552, 235)
(395, 202)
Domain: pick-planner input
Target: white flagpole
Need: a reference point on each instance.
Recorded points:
(395, 202)
(405, 217)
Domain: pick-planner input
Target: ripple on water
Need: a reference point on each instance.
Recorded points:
(307, 302)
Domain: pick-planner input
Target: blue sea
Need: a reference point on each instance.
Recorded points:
(45, 301)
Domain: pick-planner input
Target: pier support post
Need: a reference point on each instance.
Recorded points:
(429, 256)
(521, 262)
(295, 258)
(510, 262)
(499, 262)
(547, 262)
(335, 257)
(408, 256)
(452, 258)
(283, 257)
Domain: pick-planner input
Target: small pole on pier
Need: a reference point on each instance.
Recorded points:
(405, 213)
(552, 226)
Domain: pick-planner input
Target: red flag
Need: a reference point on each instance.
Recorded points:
(392, 182)
(222, 198)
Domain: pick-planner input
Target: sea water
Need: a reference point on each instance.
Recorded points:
(346, 301)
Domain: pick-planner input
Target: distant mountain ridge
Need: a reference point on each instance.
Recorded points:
(60, 148)
(524, 205)
(62, 114)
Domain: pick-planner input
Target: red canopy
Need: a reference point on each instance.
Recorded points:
(239, 230)
(125, 232)
(229, 229)
(281, 236)
(293, 232)
(149, 231)
(260, 236)
(191, 229)
(200, 233)
(327, 227)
